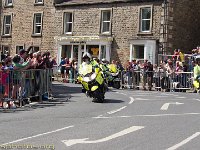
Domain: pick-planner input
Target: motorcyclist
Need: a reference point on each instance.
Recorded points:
(104, 65)
(88, 65)
(113, 67)
(197, 74)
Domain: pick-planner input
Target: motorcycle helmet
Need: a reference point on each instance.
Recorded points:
(198, 59)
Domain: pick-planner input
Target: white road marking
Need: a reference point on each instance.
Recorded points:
(156, 115)
(166, 105)
(132, 100)
(167, 94)
(184, 141)
(197, 100)
(114, 111)
(38, 135)
(141, 99)
(123, 94)
(101, 117)
(162, 96)
(140, 95)
(116, 135)
(181, 97)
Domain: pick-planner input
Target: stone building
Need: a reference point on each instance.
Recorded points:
(112, 29)
(27, 23)
(126, 29)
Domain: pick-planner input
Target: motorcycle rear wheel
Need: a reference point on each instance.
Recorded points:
(116, 85)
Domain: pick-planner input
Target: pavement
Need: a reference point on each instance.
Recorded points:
(128, 120)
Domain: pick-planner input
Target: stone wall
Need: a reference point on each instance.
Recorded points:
(186, 24)
(22, 13)
(125, 23)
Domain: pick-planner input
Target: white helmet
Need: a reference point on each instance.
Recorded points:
(86, 54)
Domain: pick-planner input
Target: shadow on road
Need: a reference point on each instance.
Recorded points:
(61, 95)
(113, 101)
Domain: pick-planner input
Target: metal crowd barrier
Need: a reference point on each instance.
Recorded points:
(178, 81)
(18, 86)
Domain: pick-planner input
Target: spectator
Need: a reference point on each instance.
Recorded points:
(23, 56)
(62, 69)
(135, 78)
(17, 75)
(67, 67)
(145, 68)
(149, 75)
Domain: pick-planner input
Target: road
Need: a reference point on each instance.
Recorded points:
(128, 120)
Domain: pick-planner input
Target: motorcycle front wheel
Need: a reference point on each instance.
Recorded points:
(98, 96)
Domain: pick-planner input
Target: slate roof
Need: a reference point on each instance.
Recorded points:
(86, 2)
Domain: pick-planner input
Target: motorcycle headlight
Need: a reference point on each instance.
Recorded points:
(86, 79)
(93, 76)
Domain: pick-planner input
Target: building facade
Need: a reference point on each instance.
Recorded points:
(27, 23)
(121, 31)
(112, 29)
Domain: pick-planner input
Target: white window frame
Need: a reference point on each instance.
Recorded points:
(8, 4)
(38, 2)
(65, 22)
(7, 25)
(141, 19)
(102, 22)
(38, 24)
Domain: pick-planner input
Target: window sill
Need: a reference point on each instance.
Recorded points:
(145, 33)
(105, 34)
(36, 35)
(8, 6)
(6, 36)
(68, 34)
(38, 4)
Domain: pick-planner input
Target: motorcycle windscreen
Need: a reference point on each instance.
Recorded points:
(85, 69)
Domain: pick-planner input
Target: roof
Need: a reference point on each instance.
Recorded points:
(89, 2)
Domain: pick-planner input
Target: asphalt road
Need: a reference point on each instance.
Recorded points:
(128, 120)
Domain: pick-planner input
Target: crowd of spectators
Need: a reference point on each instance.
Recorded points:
(173, 71)
(11, 67)
(68, 67)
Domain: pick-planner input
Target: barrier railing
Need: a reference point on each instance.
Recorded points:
(177, 81)
(19, 86)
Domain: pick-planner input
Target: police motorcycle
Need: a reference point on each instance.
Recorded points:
(196, 82)
(92, 80)
(112, 75)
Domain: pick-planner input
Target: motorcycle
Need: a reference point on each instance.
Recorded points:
(197, 84)
(93, 84)
(113, 77)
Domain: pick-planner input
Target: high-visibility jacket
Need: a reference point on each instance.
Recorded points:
(112, 68)
(196, 71)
